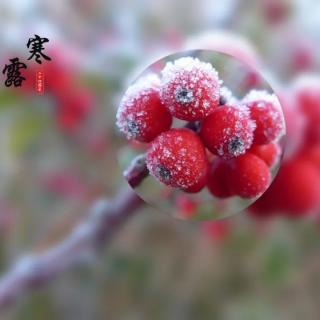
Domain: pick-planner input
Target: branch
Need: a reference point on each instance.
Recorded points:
(136, 171)
(80, 246)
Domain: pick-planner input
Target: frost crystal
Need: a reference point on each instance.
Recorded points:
(226, 96)
(263, 95)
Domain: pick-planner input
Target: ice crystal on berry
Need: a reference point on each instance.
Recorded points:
(226, 96)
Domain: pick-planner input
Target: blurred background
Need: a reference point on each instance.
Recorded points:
(58, 153)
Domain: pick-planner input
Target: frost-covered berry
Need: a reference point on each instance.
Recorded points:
(217, 179)
(249, 176)
(228, 131)
(199, 185)
(141, 115)
(190, 88)
(266, 111)
(269, 153)
(177, 158)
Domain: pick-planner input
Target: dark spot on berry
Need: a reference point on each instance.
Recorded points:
(222, 100)
(236, 146)
(133, 127)
(183, 95)
(163, 172)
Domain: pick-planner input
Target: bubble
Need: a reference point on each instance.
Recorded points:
(158, 194)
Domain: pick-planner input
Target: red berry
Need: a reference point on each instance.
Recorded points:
(269, 153)
(177, 158)
(250, 79)
(307, 94)
(190, 88)
(216, 230)
(74, 108)
(295, 190)
(66, 183)
(275, 11)
(59, 77)
(217, 179)
(199, 185)
(302, 56)
(266, 111)
(298, 184)
(295, 123)
(312, 154)
(187, 207)
(312, 132)
(141, 115)
(264, 207)
(228, 131)
(248, 176)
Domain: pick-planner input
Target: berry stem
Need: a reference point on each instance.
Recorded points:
(137, 171)
(193, 125)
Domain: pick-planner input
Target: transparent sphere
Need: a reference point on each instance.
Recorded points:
(203, 135)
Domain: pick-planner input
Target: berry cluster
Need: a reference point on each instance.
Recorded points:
(227, 145)
(295, 192)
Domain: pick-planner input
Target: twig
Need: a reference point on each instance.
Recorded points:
(80, 246)
(136, 171)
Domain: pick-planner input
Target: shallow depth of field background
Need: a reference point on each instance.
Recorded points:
(58, 153)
